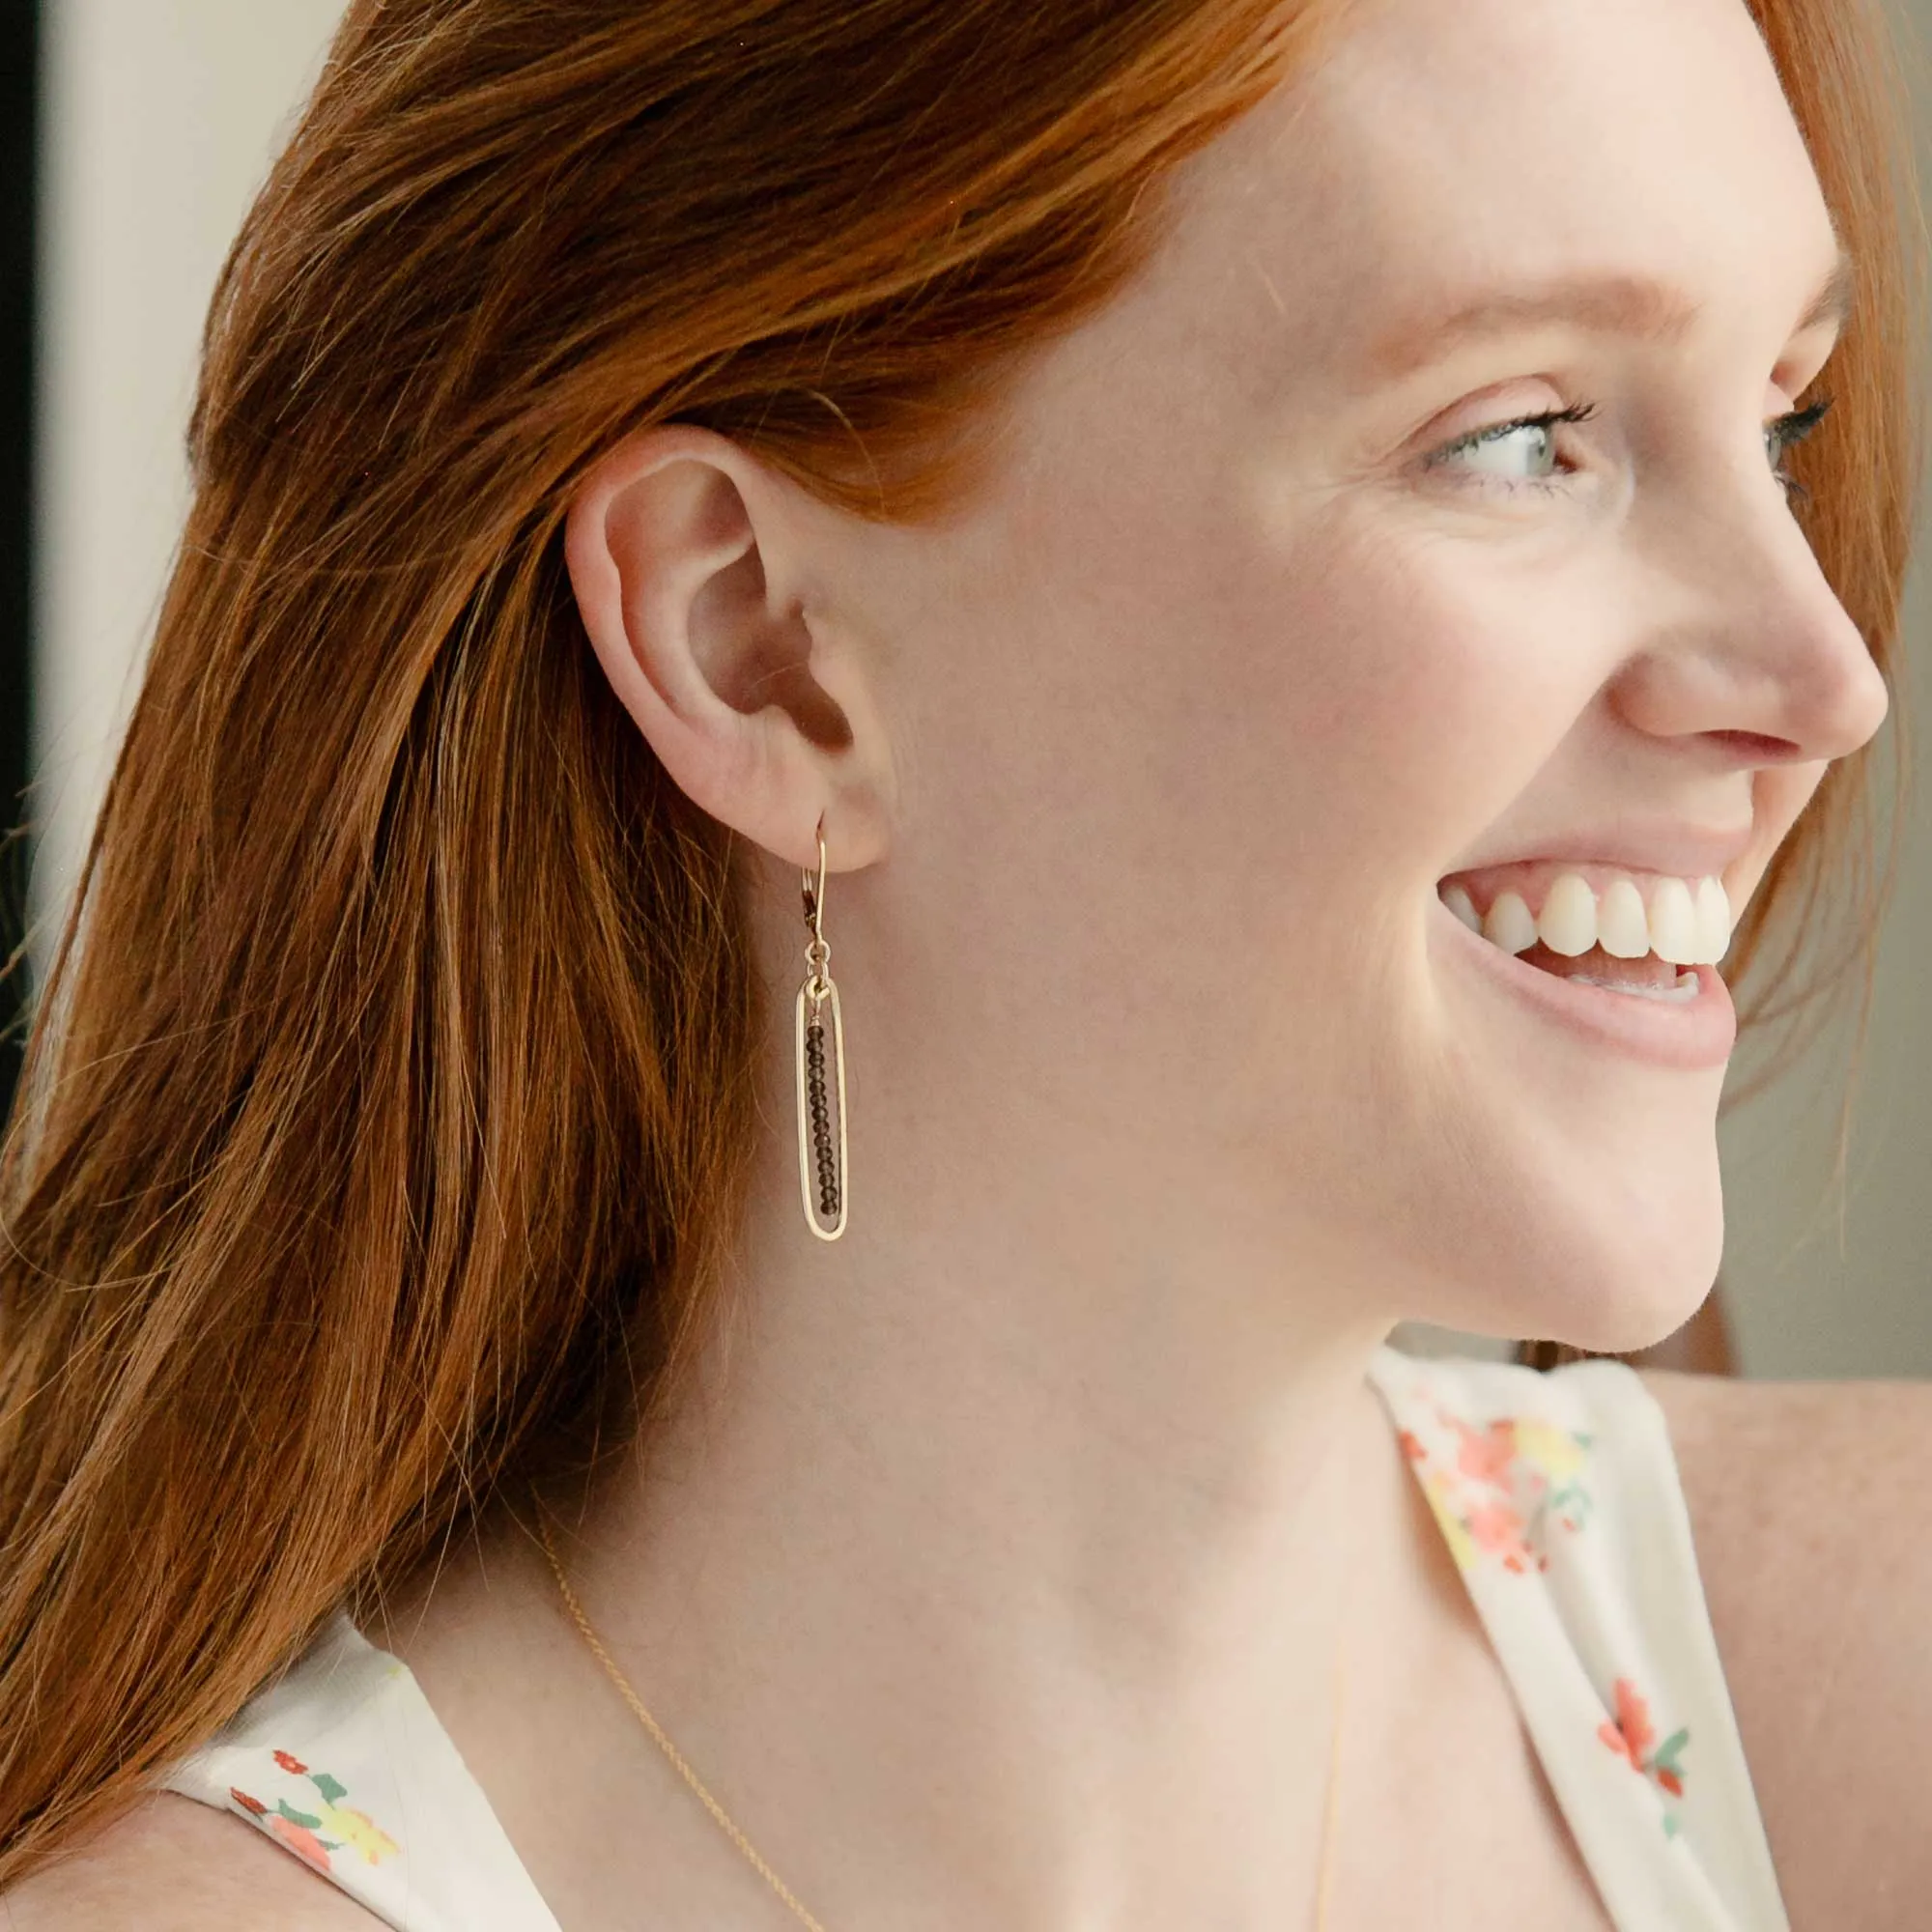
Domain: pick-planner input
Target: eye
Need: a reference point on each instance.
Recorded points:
(1502, 444)
(1496, 448)
(1786, 433)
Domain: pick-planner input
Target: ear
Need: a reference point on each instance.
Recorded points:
(689, 562)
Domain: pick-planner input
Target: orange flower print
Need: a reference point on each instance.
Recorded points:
(300, 1840)
(1486, 1455)
(1500, 1488)
(1630, 1734)
(1497, 1529)
(302, 1832)
(295, 1829)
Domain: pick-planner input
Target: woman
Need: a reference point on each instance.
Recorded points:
(1239, 580)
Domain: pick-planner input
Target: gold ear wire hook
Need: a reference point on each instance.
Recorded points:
(815, 897)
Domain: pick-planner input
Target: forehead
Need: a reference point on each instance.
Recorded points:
(1440, 148)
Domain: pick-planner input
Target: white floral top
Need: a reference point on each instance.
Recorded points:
(1559, 1496)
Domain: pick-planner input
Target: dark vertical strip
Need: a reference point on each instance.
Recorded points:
(19, 219)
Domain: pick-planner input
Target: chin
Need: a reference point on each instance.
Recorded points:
(1611, 1276)
(1638, 1294)
(1643, 1233)
(1622, 1331)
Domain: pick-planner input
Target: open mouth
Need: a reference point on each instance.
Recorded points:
(1649, 976)
(1639, 934)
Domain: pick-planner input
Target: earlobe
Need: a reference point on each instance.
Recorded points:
(681, 565)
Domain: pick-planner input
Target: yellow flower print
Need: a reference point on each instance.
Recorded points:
(1555, 1451)
(1502, 1487)
(330, 1827)
(1462, 1545)
(356, 1829)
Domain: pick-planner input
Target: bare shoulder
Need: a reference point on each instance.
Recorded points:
(1813, 1521)
(174, 1866)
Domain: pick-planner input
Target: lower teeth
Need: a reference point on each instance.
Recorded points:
(1684, 991)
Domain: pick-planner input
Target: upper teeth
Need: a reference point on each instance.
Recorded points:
(1688, 924)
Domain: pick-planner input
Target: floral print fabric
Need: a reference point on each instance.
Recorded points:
(302, 1830)
(1557, 1494)
(343, 1764)
(1558, 1497)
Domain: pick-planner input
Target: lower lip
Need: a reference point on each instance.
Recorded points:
(1697, 1035)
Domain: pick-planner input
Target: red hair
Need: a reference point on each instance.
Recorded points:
(389, 1105)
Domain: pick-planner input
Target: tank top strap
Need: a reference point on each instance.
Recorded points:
(343, 1764)
(1559, 1496)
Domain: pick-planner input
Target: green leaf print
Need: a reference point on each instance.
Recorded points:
(1666, 1757)
(1574, 1499)
(331, 1789)
(295, 1817)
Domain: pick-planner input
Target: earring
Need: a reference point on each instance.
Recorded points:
(809, 1039)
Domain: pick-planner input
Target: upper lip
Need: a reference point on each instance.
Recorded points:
(1684, 851)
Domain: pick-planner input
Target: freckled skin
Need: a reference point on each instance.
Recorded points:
(1218, 684)
(1167, 1101)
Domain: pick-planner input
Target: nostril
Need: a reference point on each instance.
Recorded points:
(1760, 749)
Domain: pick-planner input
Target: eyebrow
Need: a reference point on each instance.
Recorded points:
(1621, 305)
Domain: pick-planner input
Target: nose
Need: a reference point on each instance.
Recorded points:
(1753, 643)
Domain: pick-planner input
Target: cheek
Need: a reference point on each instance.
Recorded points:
(1415, 689)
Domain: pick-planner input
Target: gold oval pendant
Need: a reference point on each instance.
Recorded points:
(815, 1140)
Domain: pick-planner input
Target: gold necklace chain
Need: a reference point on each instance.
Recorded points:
(1323, 1870)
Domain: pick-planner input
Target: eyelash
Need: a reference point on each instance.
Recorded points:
(1789, 430)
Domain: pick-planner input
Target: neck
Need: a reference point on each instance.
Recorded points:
(993, 1569)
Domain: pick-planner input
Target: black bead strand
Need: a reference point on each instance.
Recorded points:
(821, 1123)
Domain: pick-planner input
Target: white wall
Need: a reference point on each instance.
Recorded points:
(162, 116)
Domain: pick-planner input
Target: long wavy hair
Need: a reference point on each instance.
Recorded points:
(387, 1108)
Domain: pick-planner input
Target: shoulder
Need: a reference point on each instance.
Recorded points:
(1813, 1529)
(175, 1866)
